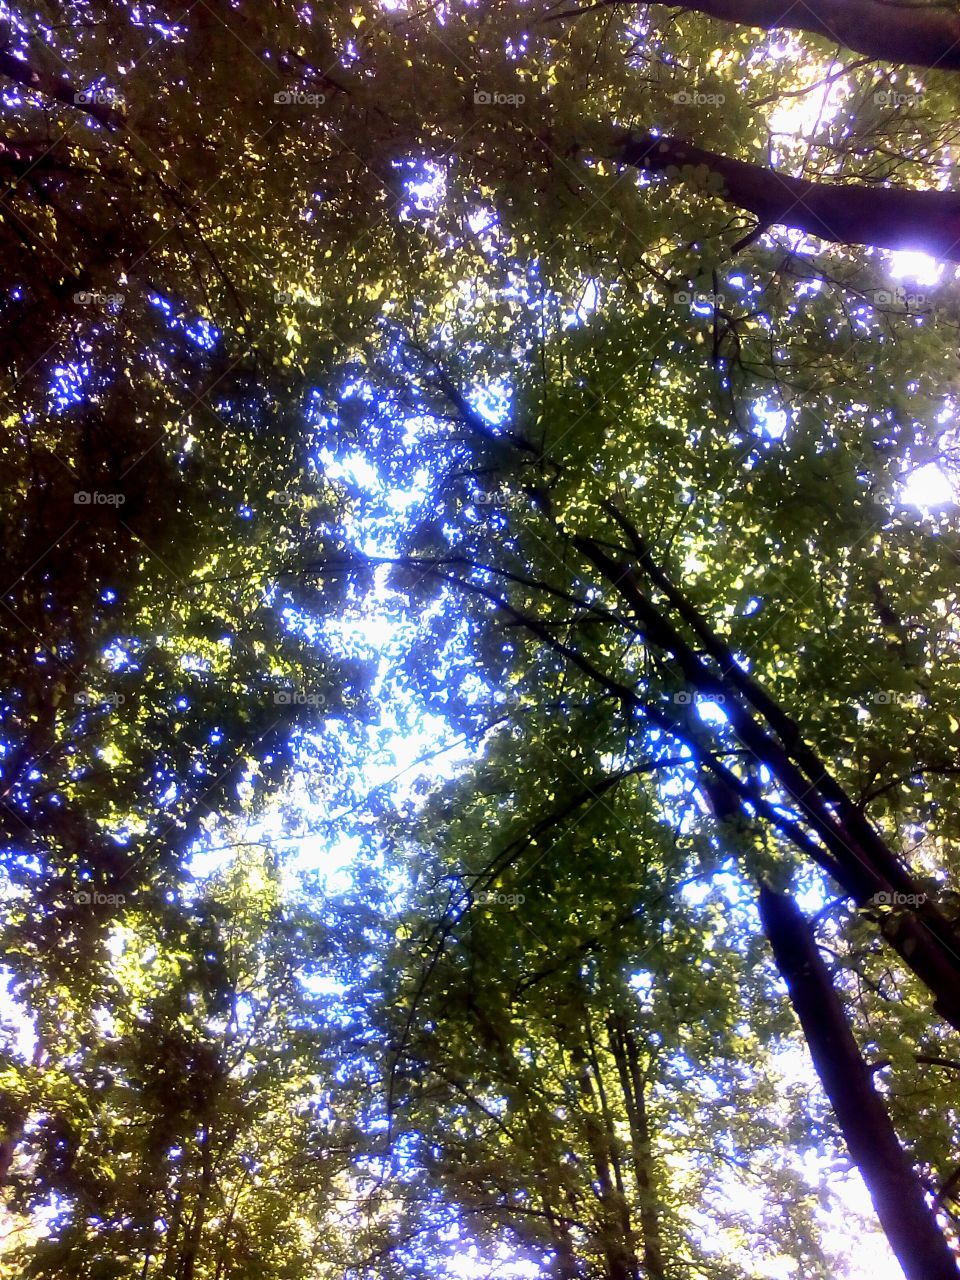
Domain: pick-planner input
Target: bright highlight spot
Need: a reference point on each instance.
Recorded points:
(928, 487)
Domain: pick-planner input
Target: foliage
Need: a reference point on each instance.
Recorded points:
(321, 328)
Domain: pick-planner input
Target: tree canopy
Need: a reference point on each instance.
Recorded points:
(481, 687)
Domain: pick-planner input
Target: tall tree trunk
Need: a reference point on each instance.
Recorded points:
(608, 1125)
(621, 1261)
(565, 1259)
(895, 1190)
(840, 213)
(922, 936)
(858, 857)
(191, 1249)
(623, 1046)
(918, 34)
(172, 1234)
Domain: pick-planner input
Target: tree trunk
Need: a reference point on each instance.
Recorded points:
(907, 1220)
(840, 213)
(191, 1248)
(172, 1232)
(565, 1259)
(922, 937)
(920, 35)
(609, 1127)
(860, 859)
(623, 1045)
(621, 1262)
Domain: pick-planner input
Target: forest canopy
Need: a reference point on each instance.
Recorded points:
(480, 718)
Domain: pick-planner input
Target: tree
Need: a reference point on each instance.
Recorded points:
(487, 323)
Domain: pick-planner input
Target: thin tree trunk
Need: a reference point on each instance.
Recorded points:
(608, 1126)
(565, 1260)
(920, 935)
(840, 213)
(191, 1249)
(173, 1233)
(917, 34)
(623, 1046)
(858, 846)
(860, 859)
(225, 1231)
(620, 1259)
(895, 1190)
